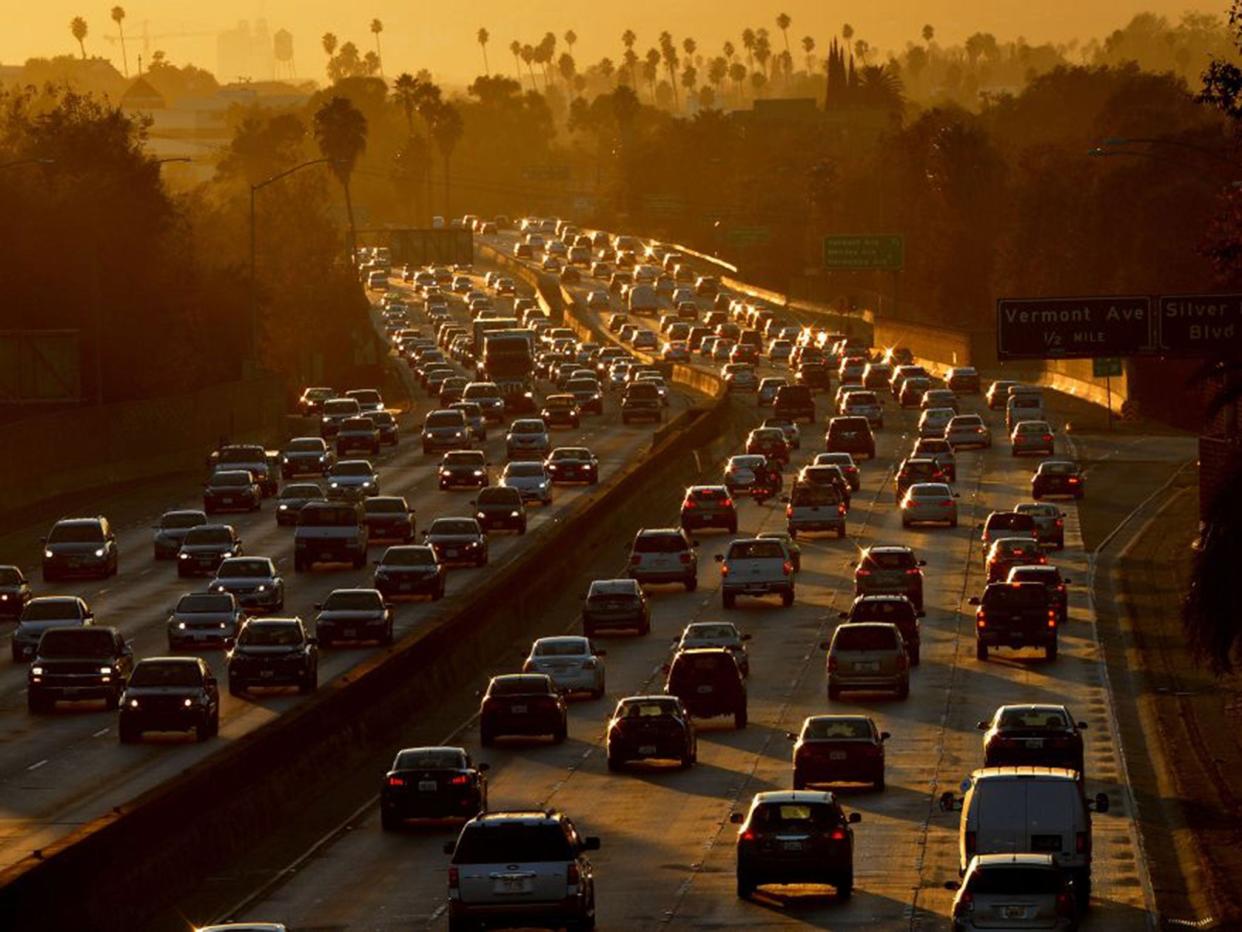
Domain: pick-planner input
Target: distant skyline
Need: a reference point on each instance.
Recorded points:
(442, 39)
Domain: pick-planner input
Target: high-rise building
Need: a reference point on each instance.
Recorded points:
(245, 53)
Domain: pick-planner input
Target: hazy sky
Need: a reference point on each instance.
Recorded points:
(441, 36)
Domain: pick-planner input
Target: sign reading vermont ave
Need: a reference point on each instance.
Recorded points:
(1070, 328)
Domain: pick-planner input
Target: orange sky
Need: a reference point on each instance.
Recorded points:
(441, 37)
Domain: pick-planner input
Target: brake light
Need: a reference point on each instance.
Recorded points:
(981, 619)
(901, 662)
(915, 571)
(965, 903)
(1065, 904)
(838, 834)
(453, 878)
(689, 503)
(747, 835)
(787, 567)
(1052, 618)
(724, 569)
(727, 503)
(1047, 436)
(460, 780)
(1060, 522)
(789, 511)
(1082, 842)
(396, 781)
(832, 664)
(1073, 479)
(862, 572)
(685, 557)
(572, 876)
(971, 843)
(841, 509)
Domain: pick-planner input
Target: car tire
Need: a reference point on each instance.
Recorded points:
(787, 597)
(878, 782)
(745, 885)
(739, 718)
(903, 691)
(561, 733)
(728, 599)
(981, 651)
(953, 523)
(1050, 652)
(845, 885)
(914, 652)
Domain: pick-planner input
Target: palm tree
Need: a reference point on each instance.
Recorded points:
(528, 56)
(631, 62)
(567, 67)
(341, 134)
(481, 37)
(717, 71)
(405, 95)
(689, 46)
(570, 38)
(729, 50)
(862, 48)
(376, 28)
(118, 17)
(77, 26)
(929, 32)
(782, 23)
(748, 43)
(329, 43)
(446, 130)
(847, 32)
(515, 47)
(651, 68)
(880, 88)
(737, 74)
(628, 38)
(808, 46)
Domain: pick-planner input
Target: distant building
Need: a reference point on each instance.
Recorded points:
(245, 53)
(141, 97)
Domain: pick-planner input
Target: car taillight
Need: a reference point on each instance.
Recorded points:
(832, 664)
(688, 504)
(861, 572)
(684, 557)
(787, 567)
(1047, 436)
(789, 511)
(396, 781)
(747, 835)
(460, 780)
(913, 572)
(453, 878)
(1052, 618)
(1082, 842)
(1073, 479)
(572, 875)
(947, 501)
(838, 834)
(1060, 522)
(981, 619)
(902, 662)
(841, 509)
(965, 903)
(1065, 904)
(971, 842)
(727, 503)
(724, 569)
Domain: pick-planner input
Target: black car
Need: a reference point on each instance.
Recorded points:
(572, 464)
(14, 591)
(915, 469)
(850, 434)
(410, 570)
(588, 394)
(794, 402)
(232, 490)
(709, 683)
(615, 605)
(306, 456)
(358, 435)
(386, 423)
(458, 540)
(641, 401)
(353, 615)
(205, 547)
(708, 506)
(894, 610)
(169, 694)
(388, 517)
(432, 783)
(293, 497)
(814, 375)
(650, 728)
(838, 749)
(1058, 477)
(1015, 615)
(500, 508)
(1051, 577)
(79, 547)
(78, 663)
(1033, 735)
(524, 704)
(795, 836)
(171, 531)
(273, 652)
(463, 469)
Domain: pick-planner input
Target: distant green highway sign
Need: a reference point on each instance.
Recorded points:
(857, 253)
(1108, 366)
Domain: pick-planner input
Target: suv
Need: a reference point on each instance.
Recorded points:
(522, 704)
(664, 555)
(463, 469)
(330, 532)
(867, 655)
(756, 567)
(1049, 522)
(795, 836)
(890, 569)
(794, 402)
(251, 457)
(388, 517)
(1033, 735)
(205, 546)
(641, 400)
(445, 429)
(78, 663)
(358, 434)
(306, 456)
(815, 506)
(79, 547)
(1015, 615)
(709, 683)
(169, 694)
(850, 434)
(891, 609)
(500, 507)
(44, 613)
(273, 652)
(916, 469)
(353, 615)
(708, 506)
(521, 868)
(1033, 884)
(615, 604)
(171, 531)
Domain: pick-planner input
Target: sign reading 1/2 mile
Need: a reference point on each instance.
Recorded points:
(1069, 328)
(885, 253)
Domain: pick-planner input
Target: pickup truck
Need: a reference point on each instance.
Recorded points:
(79, 663)
(1015, 615)
(330, 532)
(756, 567)
(250, 456)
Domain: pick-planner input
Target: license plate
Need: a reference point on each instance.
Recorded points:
(451, 552)
(518, 709)
(427, 786)
(325, 557)
(1015, 912)
(867, 666)
(404, 587)
(647, 749)
(836, 755)
(511, 885)
(1034, 743)
(350, 632)
(704, 690)
(227, 500)
(792, 845)
(267, 673)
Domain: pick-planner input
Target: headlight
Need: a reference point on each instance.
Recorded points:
(368, 484)
(333, 485)
(283, 508)
(106, 671)
(513, 514)
(480, 515)
(323, 459)
(99, 552)
(325, 419)
(187, 702)
(262, 588)
(446, 473)
(181, 626)
(133, 703)
(221, 588)
(183, 556)
(48, 554)
(478, 472)
(36, 671)
(227, 553)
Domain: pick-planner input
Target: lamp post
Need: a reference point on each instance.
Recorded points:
(255, 189)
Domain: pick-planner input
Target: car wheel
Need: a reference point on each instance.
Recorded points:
(914, 654)
(739, 718)
(981, 651)
(845, 885)
(787, 597)
(692, 583)
(745, 885)
(561, 733)
(878, 782)
(1050, 652)
(728, 599)
(202, 731)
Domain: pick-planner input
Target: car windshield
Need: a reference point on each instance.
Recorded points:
(208, 535)
(1034, 718)
(409, 556)
(756, 550)
(352, 469)
(444, 419)
(247, 569)
(864, 637)
(569, 647)
(503, 842)
(1015, 881)
(527, 427)
(205, 602)
(266, 634)
(659, 543)
(300, 491)
(231, 479)
(570, 453)
(520, 686)
(9, 576)
(166, 673)
(430, 759)
(498, 495)
(50, 610)
(77, 642)
(524, 470)
(324, 515)
(85, 533)
(832, 727)
(340, 406)
(454, 526)
(385, 506)
(182, 519)
(358, 423)
(464, 458)
(353, 601)
(796, 817)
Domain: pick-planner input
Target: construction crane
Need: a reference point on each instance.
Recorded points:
(147, 37)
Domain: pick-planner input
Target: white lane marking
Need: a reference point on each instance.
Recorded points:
(101, 733)
(36, 766)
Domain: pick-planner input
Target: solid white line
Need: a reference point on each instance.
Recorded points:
(36, 766)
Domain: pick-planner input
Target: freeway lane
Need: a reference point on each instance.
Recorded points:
(667, 857)
(60, 770)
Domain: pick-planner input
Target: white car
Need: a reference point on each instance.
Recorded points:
(929, 503)
(716, 634)
(527, 435)
(933, 421)
(939, 398)
(866, 404)
(780, 350)
(740, 377)
(598, 300)
(531, 479)
(572, 663)
(739, 473)
(968, 430)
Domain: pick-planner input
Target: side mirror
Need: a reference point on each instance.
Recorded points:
(952, 886)
(735, 818)
(983, 726)
(978, 527)
(1082, 726)
(957, 495)
(884, 735)
(974, 600)
(854, 818)
(948, 801)
(319, 605)
(600, 653)
(745, 637)
(920, 614)
(922, 563)
(483, 768)
(449, 846)
(791, 736)
(824, 645)
(1101, 802)
(1068, 582)
(1064, 515)
(590, 843)
(694, 543)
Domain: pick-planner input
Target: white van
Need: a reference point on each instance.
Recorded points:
(1019, 810)
(1023, 406)
(643, 298)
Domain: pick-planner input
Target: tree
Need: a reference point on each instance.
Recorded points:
(847, 32)
(341, 134)
(481, 37)
(651, 68)
(916, 60)
(737, 74)
(689, 78)
(782, 23)
(570, 38)
(689, 46)
(567, 67)
(631, 64)
(862, 48)
(729, 50)
(405, 95)
(77, 26)
(717, 71)
(929, 32)
(880, 88)
(808, 47)
(628, 38)
(515, 48)
(528, 56)
(118, 17)
(446, 130)
(748, 43)
(758, 80)
(376, 28)
(329, 43)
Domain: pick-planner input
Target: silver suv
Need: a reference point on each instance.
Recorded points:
(664, 555)
(525, 868)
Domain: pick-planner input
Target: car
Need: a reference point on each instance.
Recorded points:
(1058, 477)
(890, 569)
(306, 456)
(44, 613)
(838, 749)
(715, 634)
(933, 421)
(967, 430)
(864, 403)
(641, 401)
(877, 375)
(521, 868)
(171, 531)
(1006, 524)
(526, 704)
(868, 656)
(432, 783)
(527, 437)
(205, 547)
(251, 457)
(457, 540)
(409, 570)
(795, 836)
(311, 400)
(963, 380)
(353, 615)
(740, 377)
(998, 393)
(793, 436)
(850, 434)
(572, 662)
(1038, 735)
(915, 469)
(845, 463)
(333, 412)
(894, 610)
(79, 663)
(1015, 615)
(500, 508)
(709, 683)
(350, 480)
(813, 375)
(1007, 552)
(587, 394)
(1031, 891)
(929, 503)
(231, 490)
(358, 434)
(941, 451)
(463, 469)
(80, 547)
(475, 420)
(664, 555)
(598, 299)
(14, 591)
(330, 532)
(254, 581)
(814, 507)
(940, 398)
(291, 499)
(756, 567)
(560, 410)
(572, 464)
(530, 478)
(794, 402)
(768, 442)
(650, 728)
(389, 429)
(1049, 522)
(615, 605)
(388, 518)
(740, 472)
(1032, 437)
(203, 618)
(169, 694)
(1023, 405)
(1051, 577)
(273, 652)
(708, 506)
(446, 429)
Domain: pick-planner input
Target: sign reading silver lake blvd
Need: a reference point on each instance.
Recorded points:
(1200, 324)
(1069, 328)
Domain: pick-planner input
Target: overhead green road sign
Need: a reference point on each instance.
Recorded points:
(1106, 367)
(846, 253)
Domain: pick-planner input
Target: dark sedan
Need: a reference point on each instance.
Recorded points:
(838, 749)
(409, 571)
(432, 783)
(1033, 735)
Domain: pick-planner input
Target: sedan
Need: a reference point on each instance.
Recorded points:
(42, 613)
(171, 531)
(463, 469)
(573, 464)
(527, 436)
(204, 618)
(273, 652)
(14, 591)
(838, 749)
(457, 540)
(967, 430)
(432, 783)
(844, 462)
(253, 581)
(352, 480)
(291, 499)
(1049, 522)
(205, 547)
(1058, 477)
(353, 615)
(740, 377)
(650, 728)
(232, 490)
(933, 421)
(410, 570)
(928, 503)
(572, 662)
(530, 478)
(1032, 437)
(1033, 735)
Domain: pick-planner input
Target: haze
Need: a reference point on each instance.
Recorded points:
(440, 37)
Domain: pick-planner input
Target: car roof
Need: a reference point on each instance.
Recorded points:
(888, 548)
(837, 718)
(525, 816)
(614, 585)
(1015, 860)
(889, 597)
(1032, 707)
(576, 640)
(1023, 773)
(793, 796)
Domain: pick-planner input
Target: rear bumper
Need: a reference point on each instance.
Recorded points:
(555, 913)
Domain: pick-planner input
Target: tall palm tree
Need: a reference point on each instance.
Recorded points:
(567, 67)
(446, 130)
(77, 26)
(570, 38)
(515, 48)
(341, 134)
(631, 63)
(689, 46)
(808, 46)
(862, 48)
(376, 28)
(628, 38)
(729, 50)
(748, 43)
(717, 71)
(405, 96)
(528, 56)
(651, 68)
(929, 32)
(482, 36)
(737, 74)
(847, 32)
(118, 17)
(782, 23)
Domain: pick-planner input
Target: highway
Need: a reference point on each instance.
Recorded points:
(667, 857)
(62, 769)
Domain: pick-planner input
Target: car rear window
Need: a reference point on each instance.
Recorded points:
(864, 637)
(756, 550)
(431, 759)
(512, 843)
(315, 515)
(385, 506)
(812, 493)
(794, 816)
(1015, 881)
(208, 535)
(1033, 718)
(891, 559)
(827, 728)
(519, 685)
(659, 543)
(1015, 597)
(1009, 521)
(889, 610)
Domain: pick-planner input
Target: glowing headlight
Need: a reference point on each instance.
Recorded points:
(367, 484)
(133, 703)
(283, 508)
(187, 702)
(48, 554)
(333, 485)
(99, 552)
(262, 589)
(513, 514)
(106, 671)
(36, 671)
(478, 472)
(181, 626)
